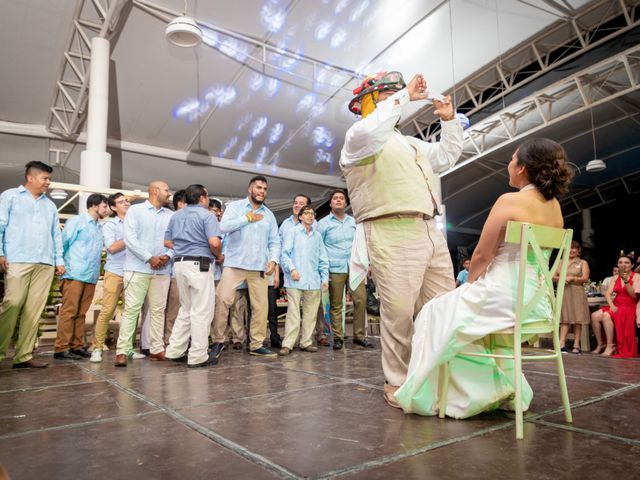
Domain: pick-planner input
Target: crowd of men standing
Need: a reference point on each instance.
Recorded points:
(179, 269)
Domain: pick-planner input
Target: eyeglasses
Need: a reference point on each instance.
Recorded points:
(309, 213)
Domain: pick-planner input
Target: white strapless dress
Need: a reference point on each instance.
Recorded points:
(459, 320)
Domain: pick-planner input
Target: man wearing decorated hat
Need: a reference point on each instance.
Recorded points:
(395, 196)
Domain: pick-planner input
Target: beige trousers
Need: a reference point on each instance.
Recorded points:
(411, 264)
(226, 292)
(173, 307)
(76, 300)
(238, 316)
(337, 284)
(310, 300)
(26, 288)
(111, 293)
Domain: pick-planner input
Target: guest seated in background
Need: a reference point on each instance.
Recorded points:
(619, 316)
(607, 281)
(459, 320)
(575, 306)
(463, 274)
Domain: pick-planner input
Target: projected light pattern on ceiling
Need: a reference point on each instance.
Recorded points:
(217, 96)
(258, 138)
(322, 137)
(272, 16)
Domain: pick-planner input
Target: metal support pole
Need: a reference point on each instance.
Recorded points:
(95, 162)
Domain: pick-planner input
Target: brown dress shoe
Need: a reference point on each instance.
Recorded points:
(323, 342)
(157, 357)
(30, 364)
(121, 360)
(309, 348)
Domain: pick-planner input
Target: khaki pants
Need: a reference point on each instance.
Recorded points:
(26, 288)
(310, 300)
(238, 316)
(111, 293)
(225, 294)
(137, 286)
(411, 264)
(197, 303)
(173, 307)
(337, 283)
(76, 300)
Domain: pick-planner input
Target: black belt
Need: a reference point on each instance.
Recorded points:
(187, 258)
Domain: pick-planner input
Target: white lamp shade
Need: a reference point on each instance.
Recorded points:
(596, 166)
(58, 194)
(183, 32)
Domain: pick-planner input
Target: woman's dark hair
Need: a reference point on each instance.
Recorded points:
(546, 164)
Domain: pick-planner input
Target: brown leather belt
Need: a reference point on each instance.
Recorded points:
(422, 216)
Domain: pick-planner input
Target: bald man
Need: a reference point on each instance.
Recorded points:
(147, 269)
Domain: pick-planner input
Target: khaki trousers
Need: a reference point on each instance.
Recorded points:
(310, 300)
(226, 292)
(76, 300)
(337, 283)
(197, 303)
(26, 288)
(137, 286)
(111, 292)
(238, 316)
(173, 307)
(411, 264)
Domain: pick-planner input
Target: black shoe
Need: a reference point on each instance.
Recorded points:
(216, 350)
(208, 362)
(373, 304)
(66, 355)
(337, 344)
(182, 359)
(81, 352)
(276, 342)
(145, 351)
(363, 343)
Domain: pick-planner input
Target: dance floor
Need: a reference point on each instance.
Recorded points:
(309, 415)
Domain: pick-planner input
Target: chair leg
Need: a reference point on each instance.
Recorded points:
(442, 389)
(564, 392)
(517, 350)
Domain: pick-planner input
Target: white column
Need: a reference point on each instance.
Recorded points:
(95, 162)
(587, 232)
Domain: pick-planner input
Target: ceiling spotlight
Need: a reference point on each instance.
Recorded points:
(184, 32)
(596, 165)
(58, 194)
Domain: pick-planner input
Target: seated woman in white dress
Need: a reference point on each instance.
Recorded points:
(459, 320)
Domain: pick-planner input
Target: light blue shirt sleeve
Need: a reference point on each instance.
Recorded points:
(249, 245)
(29, 228)
(306, 254)
(144, 234)
(82, 243)
(132, 226)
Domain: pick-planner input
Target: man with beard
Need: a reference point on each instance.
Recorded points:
(252, 253)
(147, 270)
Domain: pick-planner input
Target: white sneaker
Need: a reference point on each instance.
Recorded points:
(96, 356)
(136, 356)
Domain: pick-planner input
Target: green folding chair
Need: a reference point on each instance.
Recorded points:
(531, 238)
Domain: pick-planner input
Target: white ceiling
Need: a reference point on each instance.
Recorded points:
(166, 101)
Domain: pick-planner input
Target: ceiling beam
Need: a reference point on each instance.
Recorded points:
(40, 131)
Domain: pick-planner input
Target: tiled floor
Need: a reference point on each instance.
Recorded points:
(309, 415)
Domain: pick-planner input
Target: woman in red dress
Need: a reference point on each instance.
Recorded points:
(620, 315)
